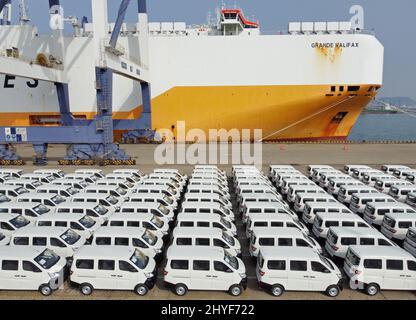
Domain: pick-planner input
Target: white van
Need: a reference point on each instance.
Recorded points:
(391, 168)
(311, 196)
(120, 182)
(162, 190)
(370, 179)
(266, 207)
(64, 191)
(97, 212)
(113, 268)
(380, 268)
(98, 173)
(57, 173)
(312, 208)
(317, 173)
(335, 184)
(144, 240)
(12, 191)
(82, 224)
(384, 185)
(207, 189)
(210, 198)
(349, 168)
(299, 181)
(273, 220)
(411, 178)
(144, 220)
(323, 221)
(110, 202)
(411, 199)
(312, 167)
(208, 183)
(403, 173)
(15, 173)
(199, 237)
(31, 211)
(278, 178)
(240, 184)
(153, 198)
(284, 237)
(47, 199)
(63, 241)
(208, 220)
(324, 177)
(340, 238)
(410, 241)
(156, 209)
(27, 184)
(345, 192)
(359, 201)
(294, 190)
(191, 207)
(256, 190)
(396, 225)
(204, 268)
(359, 173)
(297, 269)
(10, 222)
(374, 212)
(259, 198)
(70, 183)
(400, 192)
(165, 179)
(85, 177)
(115, 191)
(135, 172)
(123, 176)
(43, 178)
(214, 177)
(176, 172)
(29, 268)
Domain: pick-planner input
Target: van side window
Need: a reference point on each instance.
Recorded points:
(362, 225)
(202, 242)
(261, 224)
(278, 224)
(133, 224)
(60, 224)
(39, 241)
(329, 224)
(200, 265)
(85, 264)
(411, 265)
(383, 242)
(204, 210)
(186, 224)
(21, 241)
(121, 241)
(394, 264)
(405, 224)
(29, 266)
(128, 210)
(139, 243)
(221, 244)
(301, 243)
(217, 225)
(298, 265)
(269, 211)
(10, 265)
(103, 241)
(219, 266)
(116, 223)
(348, 241)
(285, 242)
(125, 266)
(318, 267)
(30, 213)
(106, 264)
(179, 264)
(184, 241)
(367, 242)
(372, 263)
(347, 224)
(44, 224)
(276, 265)
(75, 226)
(266, 242)
(57, 243)
(6, 226)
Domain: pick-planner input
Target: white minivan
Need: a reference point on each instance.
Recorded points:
(374, 212)
(359, 201)
(400, 192)
(47, 199)
(10, 222)
(204, 197)
(97, 212)
(156, 209)
(285, 237)
(340, 238)
(396, 225)
(12, 191)
(380, 268)
(304, 197)
(297, 269)
(266, 207)
(204, 268)
(347, 191)
(191, 207)
(384, 185)
(410, 241)
(334, 184)
(64, 191)
(110, 202)
(113, 268)
(211, 220)
(29, 268)
(31, 211)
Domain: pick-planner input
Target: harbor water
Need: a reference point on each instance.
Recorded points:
(384, 127)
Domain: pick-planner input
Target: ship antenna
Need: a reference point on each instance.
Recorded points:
(24, 12)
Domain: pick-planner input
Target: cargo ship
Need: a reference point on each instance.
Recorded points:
(309, 83)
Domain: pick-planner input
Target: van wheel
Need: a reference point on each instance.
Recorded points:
(45, 290)
(332, 291)
(181, 289)
(141, 289)
(277, 290)
(372, 289)
(235, 290)
(86, 289)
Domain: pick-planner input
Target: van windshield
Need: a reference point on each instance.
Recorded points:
(47, 259)
(36, 183)
(390, 222)
(163, 209)
(70, 237)
(72, 191)
(226, 223)
(87, 222)
(411, 198)
(4, 198)
(171, 190)
(113, 200)
(101, 210)
(41, 209)
(227, 238)
(168, 200)
(157, 222)
(19, 222)
(326, 262)
(58, 199)
(231, 260)
(21, 190)
(139, 259)
(149, 237)
(411, 235)
(121, 191)
(353, 258)
(2, 236)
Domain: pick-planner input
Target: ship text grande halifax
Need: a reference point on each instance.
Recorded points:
(311, 83)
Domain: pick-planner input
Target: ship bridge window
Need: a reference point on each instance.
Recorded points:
(353, 88)
(339, 117)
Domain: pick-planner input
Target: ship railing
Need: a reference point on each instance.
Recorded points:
(286, 32)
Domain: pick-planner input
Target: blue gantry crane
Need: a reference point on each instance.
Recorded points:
(88, 141)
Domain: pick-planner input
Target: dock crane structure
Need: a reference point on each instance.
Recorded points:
(89, 141)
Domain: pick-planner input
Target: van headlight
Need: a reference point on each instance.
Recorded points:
(148, 275)
(243, 275)
(54, 275)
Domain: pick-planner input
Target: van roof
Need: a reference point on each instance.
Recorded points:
(47, 170)
(263, 205)
(325, 205)
(162, 187)
(76, 205)
(400, 216)
(354, 231)
(202, 196)
(394, 166)
(198, 217)
(272, 232)
(100, 252)
(35, 175)
(373, 195)
(140, 205)
(89, 170)
(210, 205)
(10, 170)
(9, 187)
(119, 231)
(101, 187)
(194, 252)
(127, 170)
(36, 195)
(359, 187)
(353, 166)
(259, 196)
(43, 231)
(288, 253)
(316, 195)
(387, 205)
(19, 205)
(305, 187)
(52, 186)
(131, 217)
(197, 231)
(405, 187)
(271, 216)
(61, 216)
(338, 215)
(8, 216)
(63, 180)
(20, 252)
(87, 195)
(380, 251)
